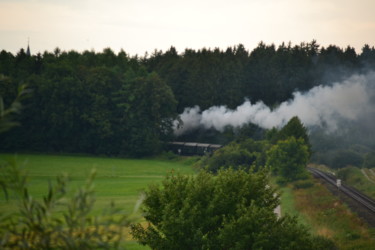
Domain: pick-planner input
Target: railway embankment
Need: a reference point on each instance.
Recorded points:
(358, 202)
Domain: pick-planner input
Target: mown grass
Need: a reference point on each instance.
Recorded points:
(118, 180)
(288, 205)
(329, 217)
(287, 201)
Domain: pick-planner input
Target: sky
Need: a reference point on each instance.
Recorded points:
(139, 26)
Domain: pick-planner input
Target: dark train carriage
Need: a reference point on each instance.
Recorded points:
(189, 148)
(214, 147)
(202, 148)
(192, 148)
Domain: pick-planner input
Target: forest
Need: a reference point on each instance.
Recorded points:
(105, 103)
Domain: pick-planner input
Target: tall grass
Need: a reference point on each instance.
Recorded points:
(329, 217)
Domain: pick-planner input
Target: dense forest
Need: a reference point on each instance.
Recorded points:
(115, 104)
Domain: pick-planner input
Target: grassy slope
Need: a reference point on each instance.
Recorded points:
(119, 180)
(288, 205)
(327, 216)
(355, 178)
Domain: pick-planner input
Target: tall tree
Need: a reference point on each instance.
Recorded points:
(288, 159)
(296, 129)
(146, 106)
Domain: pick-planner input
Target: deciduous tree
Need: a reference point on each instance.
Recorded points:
(233, 210)
(288, 158)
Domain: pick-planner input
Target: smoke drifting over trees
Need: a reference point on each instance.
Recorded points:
(327, 107)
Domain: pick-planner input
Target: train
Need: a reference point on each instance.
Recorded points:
(192, 148)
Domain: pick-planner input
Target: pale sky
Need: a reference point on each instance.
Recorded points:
(137, 26)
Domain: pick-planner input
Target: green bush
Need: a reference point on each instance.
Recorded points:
(230, 210)
(168, 155)
(232, 155)
(302, 184)
(244, 154)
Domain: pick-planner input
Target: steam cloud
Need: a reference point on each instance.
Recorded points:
(323, 106)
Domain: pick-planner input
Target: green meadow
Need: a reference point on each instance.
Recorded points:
(118, 180)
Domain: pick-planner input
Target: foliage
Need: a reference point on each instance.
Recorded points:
(294, 128)
(343, 158)
(11, 177)
(288, 159)
(148, 111)
(232, 155)
(303, 184)
(58, 220)
(237, 155)
(233, 210)
(6, 121)
(260, 148)
(344, 147)
(345, 173)
(369, 161)
(98, 103)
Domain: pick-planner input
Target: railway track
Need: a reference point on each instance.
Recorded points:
(359, 197)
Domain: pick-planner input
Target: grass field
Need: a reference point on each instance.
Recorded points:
(119, 180)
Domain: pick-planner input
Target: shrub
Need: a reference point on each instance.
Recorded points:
(230, 210)
(302, 184)
(244, 154)
(232, 155)
(168, 155)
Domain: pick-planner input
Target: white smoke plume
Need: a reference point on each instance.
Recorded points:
(324, 106)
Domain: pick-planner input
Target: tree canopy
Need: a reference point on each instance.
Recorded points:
(288, 158)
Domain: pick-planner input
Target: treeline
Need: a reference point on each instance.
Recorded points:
(98, 103)
(268, 73)
(115, 104)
